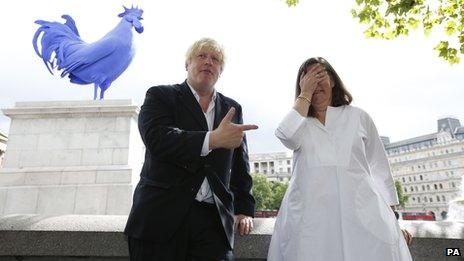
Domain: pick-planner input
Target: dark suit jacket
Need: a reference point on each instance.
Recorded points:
(173, 128)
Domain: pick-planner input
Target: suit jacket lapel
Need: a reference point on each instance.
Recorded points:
(192, 105)
(220, 110)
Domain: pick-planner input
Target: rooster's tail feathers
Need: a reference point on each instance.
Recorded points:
(70, 23)
(56, 38)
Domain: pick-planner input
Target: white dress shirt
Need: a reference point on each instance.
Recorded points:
(205, 194)
(337, 205)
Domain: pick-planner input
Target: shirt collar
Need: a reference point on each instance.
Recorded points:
(197, 97)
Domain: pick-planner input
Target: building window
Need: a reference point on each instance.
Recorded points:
(416, 188)
(256, 166)
(410, 179)
(441, 186)
(453, 185)
(443, 198)
(428, 187)
(414, 178)
(438, 198)
(431, 200)
(418, 200)
(421, 177)
(404, 180)
(288, 162)
(425, 199)
(405, 189)
(413, 199)
(289, 170)
(423, 188)
(435, 186)
(411, 188)
(265, 171)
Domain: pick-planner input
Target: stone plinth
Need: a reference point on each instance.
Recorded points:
(71, 157)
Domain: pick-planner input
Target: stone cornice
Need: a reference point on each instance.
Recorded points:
(72, 109)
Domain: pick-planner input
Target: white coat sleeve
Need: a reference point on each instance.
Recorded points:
(290, 130)
(378, 162)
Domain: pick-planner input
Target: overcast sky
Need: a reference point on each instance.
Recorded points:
(402, 84)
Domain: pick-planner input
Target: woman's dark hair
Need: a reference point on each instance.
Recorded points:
(340, 96)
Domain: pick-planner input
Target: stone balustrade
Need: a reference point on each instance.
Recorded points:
(100, 237)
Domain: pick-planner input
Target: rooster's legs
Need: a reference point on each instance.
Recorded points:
(95, 91)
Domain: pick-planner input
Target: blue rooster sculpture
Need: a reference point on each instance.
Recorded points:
(100, 62)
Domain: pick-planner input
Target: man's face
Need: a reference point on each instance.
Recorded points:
(203, 69)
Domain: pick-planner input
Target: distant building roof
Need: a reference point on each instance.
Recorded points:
(269, 156)
(459, 130)
(418, 139)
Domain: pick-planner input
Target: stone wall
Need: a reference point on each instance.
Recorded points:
(92, 237)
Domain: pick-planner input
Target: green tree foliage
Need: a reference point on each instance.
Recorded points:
(292, 2)
(278, 191)
(399, 191)
(268, 194)
(261, 191)
(388, 19)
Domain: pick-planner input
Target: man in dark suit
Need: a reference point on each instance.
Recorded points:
(195, 180)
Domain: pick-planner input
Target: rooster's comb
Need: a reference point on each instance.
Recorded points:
(131, 11)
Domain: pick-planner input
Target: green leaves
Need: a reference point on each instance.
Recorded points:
(413, 23)
(448, 53)
(292, 2)
(261, 191)
(388, 19)
(268, 194)
(450, 28)
(402, 198)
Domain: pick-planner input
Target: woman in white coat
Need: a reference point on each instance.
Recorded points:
(338, 204)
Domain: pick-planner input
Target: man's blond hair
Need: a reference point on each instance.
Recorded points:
(206, 44)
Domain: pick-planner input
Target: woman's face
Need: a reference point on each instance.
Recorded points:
(322, 96)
